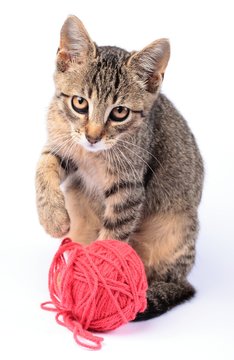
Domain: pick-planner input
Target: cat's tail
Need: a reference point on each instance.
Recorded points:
(163, 296)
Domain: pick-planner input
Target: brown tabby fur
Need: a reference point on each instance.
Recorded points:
(139, 180)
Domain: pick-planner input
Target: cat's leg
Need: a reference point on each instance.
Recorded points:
(85, 224)
(52, 213)
(123, 203)
(166, 244)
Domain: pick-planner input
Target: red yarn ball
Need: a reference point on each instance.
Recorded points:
(96, 287)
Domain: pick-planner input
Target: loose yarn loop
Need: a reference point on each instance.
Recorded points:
(96, 287)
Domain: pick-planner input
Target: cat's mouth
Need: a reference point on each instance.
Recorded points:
(92, 147)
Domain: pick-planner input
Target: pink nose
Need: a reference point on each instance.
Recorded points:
(92, 140)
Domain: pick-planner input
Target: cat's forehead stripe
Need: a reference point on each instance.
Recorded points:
(107, 75)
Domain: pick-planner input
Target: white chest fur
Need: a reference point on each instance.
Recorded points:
(93, 173)
(90, 178)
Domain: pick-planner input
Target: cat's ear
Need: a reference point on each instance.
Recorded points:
(151, 62)
(75, 43)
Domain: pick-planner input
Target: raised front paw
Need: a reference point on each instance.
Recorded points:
(53, 215)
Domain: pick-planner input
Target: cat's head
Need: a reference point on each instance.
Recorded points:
(104, 93)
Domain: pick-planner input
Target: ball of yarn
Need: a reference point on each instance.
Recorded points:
(96, 287)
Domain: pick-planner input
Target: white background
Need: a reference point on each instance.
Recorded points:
(200, 82)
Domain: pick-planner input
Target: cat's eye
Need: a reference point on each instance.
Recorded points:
(119, 113)
(79, 104)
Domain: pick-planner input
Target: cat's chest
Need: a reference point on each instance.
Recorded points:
(93, 173)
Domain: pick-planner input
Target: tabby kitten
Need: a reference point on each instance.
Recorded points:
(129, 164)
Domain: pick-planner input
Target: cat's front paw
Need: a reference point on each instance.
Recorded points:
(54, 217)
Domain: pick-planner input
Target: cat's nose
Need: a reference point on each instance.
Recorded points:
(91, 139)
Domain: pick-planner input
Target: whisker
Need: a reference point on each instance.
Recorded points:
(166, 192)
(114, 161)
(61, 149)
(140, 147)
(68, 153)
(128, 162)
(133, 152)
(55, 149)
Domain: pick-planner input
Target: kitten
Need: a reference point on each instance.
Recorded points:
(131, 165)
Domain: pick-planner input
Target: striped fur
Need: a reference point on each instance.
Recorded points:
(141, 180)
